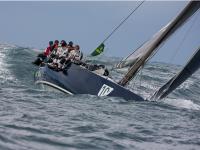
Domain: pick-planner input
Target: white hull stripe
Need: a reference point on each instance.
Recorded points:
(55, 86)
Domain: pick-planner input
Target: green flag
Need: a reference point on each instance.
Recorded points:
(98, 50)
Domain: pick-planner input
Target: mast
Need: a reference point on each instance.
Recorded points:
(192, 66)
(143, 53)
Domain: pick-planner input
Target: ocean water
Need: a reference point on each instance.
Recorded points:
(34, 117)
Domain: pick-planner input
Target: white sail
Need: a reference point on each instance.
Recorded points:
(140, 52)
(143, 53)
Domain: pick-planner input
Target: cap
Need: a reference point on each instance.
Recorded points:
(56, 42)
(50, 43)
(70, 43)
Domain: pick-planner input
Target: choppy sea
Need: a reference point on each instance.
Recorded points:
(34, 117)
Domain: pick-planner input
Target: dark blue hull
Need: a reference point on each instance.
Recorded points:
(78, 80)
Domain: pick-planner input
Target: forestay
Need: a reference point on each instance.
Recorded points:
(143, 53)
(100, 48)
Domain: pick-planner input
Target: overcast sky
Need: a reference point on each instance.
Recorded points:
(33, 24)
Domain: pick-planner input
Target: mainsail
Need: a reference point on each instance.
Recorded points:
(143, 53)
(192, 66)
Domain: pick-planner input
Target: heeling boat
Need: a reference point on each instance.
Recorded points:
(80, 80)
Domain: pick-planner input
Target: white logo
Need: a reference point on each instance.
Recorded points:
(38, 74)
(105, 90)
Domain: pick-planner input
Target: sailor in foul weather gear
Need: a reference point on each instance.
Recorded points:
(70, 46)
(52, 55)
(56, 44)
(61, 54)
(62, 51)
(42, 56)
(75, 54)
(48, 50)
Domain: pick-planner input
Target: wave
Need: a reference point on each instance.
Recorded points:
(17, 69)
(182, 103)
(16, 64)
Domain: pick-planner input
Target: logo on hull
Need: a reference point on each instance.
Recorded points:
(105, 90)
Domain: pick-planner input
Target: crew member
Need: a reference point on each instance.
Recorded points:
(42, 56)
(75, 54)
(55, 45)
(70, 46)
(49, 49)
(60, 57)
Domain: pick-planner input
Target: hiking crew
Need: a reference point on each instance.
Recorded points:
(70, 46)
(43, 56)
(56, 44)
(49, 49)
(75, 54)
(60, 57)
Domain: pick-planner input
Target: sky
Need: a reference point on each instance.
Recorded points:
(88, 23)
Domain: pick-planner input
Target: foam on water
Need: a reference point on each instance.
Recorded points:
(186, 85)
(182, 103)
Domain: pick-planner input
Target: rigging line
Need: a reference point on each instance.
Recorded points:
(183, 39)
(122, 22)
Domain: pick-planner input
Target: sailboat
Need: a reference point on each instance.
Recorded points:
(80, 80)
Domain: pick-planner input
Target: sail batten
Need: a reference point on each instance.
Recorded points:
(143, 53)
(192, 66)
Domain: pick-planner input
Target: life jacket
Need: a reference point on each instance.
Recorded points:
(62, 51)
(48, 50)
(75, 55)
(70, 48)
(55, 46)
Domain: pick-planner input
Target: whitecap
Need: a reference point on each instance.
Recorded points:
(182, 103)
